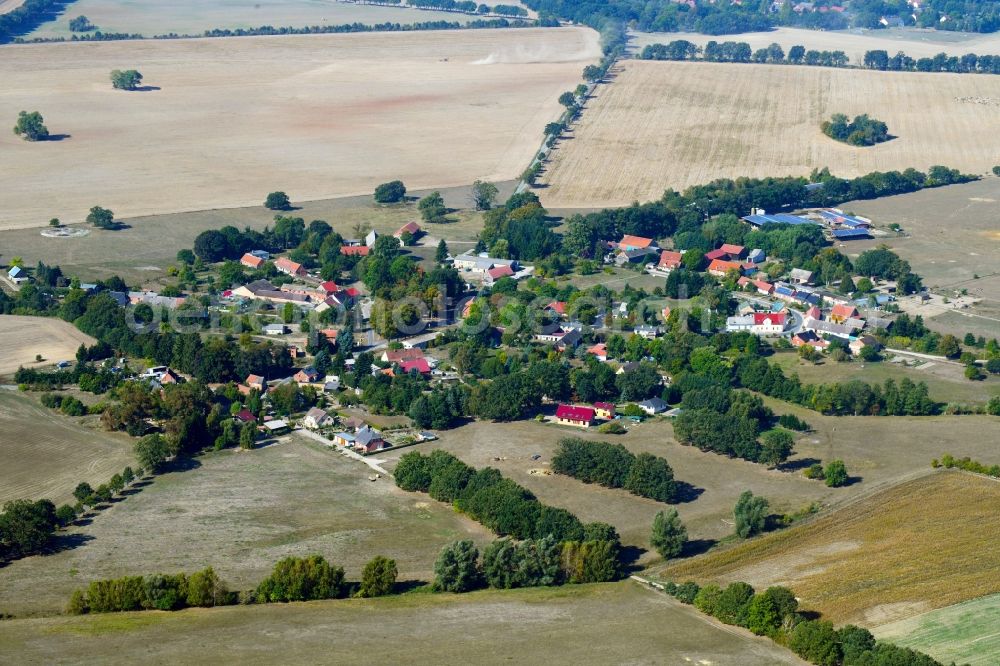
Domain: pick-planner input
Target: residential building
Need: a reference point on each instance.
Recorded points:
(306, 375)
(368, 440)
(841, 313)
(345, 439)
(560, 337)
(481, 263)
(275, 329)
(400, 355)
(289, 267)
(245, 416)
(807, 337)
(571, 415)
(251, 261)
(758, 323)
(600, 351)
(628, 243)
(355, 250)
(648, 332)
(764, 288)
(620, 257)
(256, 382)
(801, 276)
(153, 299)
(653, 406)
(411, 228)
(604, 410)
(276, 427)
(720, 267)
(419, 365)
(734, 252)
(497, 272)
(669, 260)
(18, 275)
(317, 418)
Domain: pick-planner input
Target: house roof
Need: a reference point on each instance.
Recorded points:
(574, 413)
(286, 264)
(316, 414)
(366, 435)
(800, 274)
(721, 266)
(277, 424)
(731, 249)
(330, 287)
(635, 241)
(763, 285)
(844, 311)
(500, 271)
(410, 227)
(765, 318)
(654, 403)
(600, 349)
(716, 254)
(15, 271)
(418, 364)
(246, 416)
(608, 406)
(252, 261)
(670, 258)
(254, 379)
(557, 306)
(355, 250)
(400, 355)
(353, 292)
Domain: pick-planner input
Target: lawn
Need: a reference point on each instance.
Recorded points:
(240, 513)
(591, 624)
(923, 544)
(965, 633)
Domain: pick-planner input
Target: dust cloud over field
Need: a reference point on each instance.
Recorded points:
(676, 124)
(229, 120)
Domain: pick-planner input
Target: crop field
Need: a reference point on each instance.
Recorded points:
(965, 633)
(572, 624)
(878, 451)
(44, 455)
(143, 251)
(23, 338)
(945, 380)
(661, 125)
(916, 43)
(921, 545)
(148, 17)
(240, 513)
(222, 122)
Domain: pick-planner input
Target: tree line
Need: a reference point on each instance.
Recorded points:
(950, 462)
(614, 466)
(682, 49)
(775, 613)
(900, 62)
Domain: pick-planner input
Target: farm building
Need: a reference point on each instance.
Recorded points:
(344, 439)
(733, 251)
(371, 238)
(850, 234)
(800, 276)
(355, 250)
(275, 329)
(760, 219)
(497, 272)
(836, 218)
(571, 415)
(251, 261)
(289, 267)
(719, 267)
(276, 427)
(757, 256)
(481, 264)
(411, 228)
(628, 243)
(758, 323)
(400, 355)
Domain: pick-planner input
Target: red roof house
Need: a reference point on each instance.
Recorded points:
(719, 268)
(734, 251)
(289, 267)
(581, 417)
(411, 228)
(355, 250)
(604, 410)
(670, 260)
(251, 261)
(559, 307)
(499, 272)
(841, 313)
(634, 242)
(418, 364)
(401, 355)
(716, 254)
(764, 287)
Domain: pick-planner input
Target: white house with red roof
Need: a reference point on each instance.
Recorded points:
(289, 267)
(669, 260)
(599, 351)
(411, 228)
(720, 267)
(571, 415)
(251, 261)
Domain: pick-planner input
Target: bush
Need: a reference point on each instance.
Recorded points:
(792, 422)
(302, 579)
(835, 474)
(750, 514)
(815, 471)
(862, 131)
(391, 192)
(378, 577)
(128, 79)
(612, 428)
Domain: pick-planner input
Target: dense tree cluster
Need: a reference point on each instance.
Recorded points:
(486, 496)
(154, 592)
(521, 222)
(302, 579)
(716, 418)
(862, 131)
(614, 466)
(713, 51)
(25, 527)
(775, 613)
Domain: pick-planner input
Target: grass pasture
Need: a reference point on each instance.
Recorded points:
(945, 381)
(572, 624)
(661, 125)
(44, 455)
(223, 122)
(921, 545)
(240, 513)
(149, 18)
(143, 251)
(22, 338)
(965, 633)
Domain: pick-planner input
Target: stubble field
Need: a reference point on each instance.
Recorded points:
(923, 544)
(44, 455)
(660, 125)
(569, 625)
(240, 513)
(225, 121)
(23, 338)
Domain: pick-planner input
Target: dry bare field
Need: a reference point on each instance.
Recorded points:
(914, 42)
(661, 125)
(240, 513)
(923, 544)
(317, 116)
(44, 455)
(22, 338)
(191, 17)
(9, 5)
(587, 624)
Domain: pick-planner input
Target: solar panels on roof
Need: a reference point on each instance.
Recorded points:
(845, 234)
(776, 218)
(845, 220)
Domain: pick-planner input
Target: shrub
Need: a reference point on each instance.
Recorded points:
(301, 579)
(31, 126)
(378, 577)
(750, 514)
(835, 474)
(815, 471)
(792, 422)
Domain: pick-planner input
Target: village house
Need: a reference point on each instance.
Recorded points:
(653, 406)
(256, 382)
(371, 238)
(317, 418)
(757, 256)
(306, 376)
(481, 264)
(571, 415)
(648, 332)
(599, 351)
(720, 267)
(275, 329)
(800, 276)
(841, 313)
(734, 252)
(628, 243)
(251, 261)
(245, 416)
(18, 275)
(497, 272)
(344, 439)
(859, 343)
(806, 337)
(355, 250)
(620, 257)
(758, 323)
(763, 288)
(368, 440)
(400, 355)
(289, 267)
(604, 410)
(262, 290)
(153, 299)
(559, 337)
(419, 365)
(669, 260)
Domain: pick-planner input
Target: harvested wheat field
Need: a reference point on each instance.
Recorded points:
(225, 121)
(662, 125)
(23, 338)
(44, 455)
(923, 544)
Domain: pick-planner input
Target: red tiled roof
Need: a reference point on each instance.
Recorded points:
(251, 261)
(574, 413)
(418, 364)
(716, 254)
(604, 405)
(670, 259)
(761, 318)
(330, 287)
(355, 250)
(731, 249)
(761, 284)
(401, 355)
(843, 311)
(285, 264)
(635, 241)
(557, 306)
(500, 271)
(718, 265)
(412, 227)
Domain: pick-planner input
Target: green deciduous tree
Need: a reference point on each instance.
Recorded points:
(102, 218)
(750, 514)
(432, 208)
(457, 567)
(378, 577)
(484, 194)
(31, 126)
(669, 534)
(835, 474)
(277, 201)
(152, 452)
(128, 79)
(392, 192)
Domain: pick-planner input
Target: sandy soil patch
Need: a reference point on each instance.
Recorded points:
(662, 125)
(21, 338)
(316, 116)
